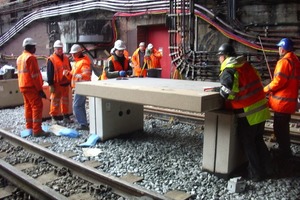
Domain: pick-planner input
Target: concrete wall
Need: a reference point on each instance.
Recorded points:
(208, 39)
(37, 31)
(128, 28)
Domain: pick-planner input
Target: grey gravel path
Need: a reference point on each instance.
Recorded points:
(168, 157)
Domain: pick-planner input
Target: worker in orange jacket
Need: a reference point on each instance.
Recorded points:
(118, 64)
(153, 57)
(31, 86)
(118, 43)
(58, 83)
(283, 94)
(81, 71)
(242, 90)
(138, 61)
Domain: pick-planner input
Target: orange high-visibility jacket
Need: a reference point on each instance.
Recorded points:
(135, 59)
(59, 66)
(250, 89)
(283, 89)
(83, 67)
(29, 75)
(243, 90)
(154, 61)
(117, 66)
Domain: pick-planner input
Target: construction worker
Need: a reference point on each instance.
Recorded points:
(152, 57)
(118, 43)
(242, 90)
(118, 64)
(138, 61)
(31, 86)
(81, 71)
(58, 83)
(283, 94)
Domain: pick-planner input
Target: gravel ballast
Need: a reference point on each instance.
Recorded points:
(168, 156)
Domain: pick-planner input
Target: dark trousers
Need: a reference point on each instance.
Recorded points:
(257, 153)
(282, 132)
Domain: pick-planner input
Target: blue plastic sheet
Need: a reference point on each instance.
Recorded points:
(72, 133)
(91, 141)
(26, 133)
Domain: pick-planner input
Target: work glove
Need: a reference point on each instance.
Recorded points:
(52, 89)
(129, 72)
(122, 73)
(42, 94)
(216, 89)
(78, 76)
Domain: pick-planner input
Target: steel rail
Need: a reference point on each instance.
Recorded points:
(28, 184)
(191, 118)
(88, 173)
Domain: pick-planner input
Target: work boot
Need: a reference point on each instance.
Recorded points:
(82, 127)
(67, 120)
(41, 134)
(54, 120)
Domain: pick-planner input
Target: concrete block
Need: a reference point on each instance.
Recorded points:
(236, 185)
(222, 152)
(109, 118)
(167, 93)
(10, 94)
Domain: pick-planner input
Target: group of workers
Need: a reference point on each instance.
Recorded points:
(60, 76)
(241, 87)
(121, 65)
(244, 93)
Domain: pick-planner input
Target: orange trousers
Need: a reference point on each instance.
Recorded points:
(140, 72)
(33, 106)
(59, 101)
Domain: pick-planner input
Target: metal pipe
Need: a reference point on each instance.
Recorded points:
(87, 5)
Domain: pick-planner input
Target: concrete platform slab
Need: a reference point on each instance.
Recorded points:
(168, 93)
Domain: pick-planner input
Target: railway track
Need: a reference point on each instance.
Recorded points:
(198, 118)
(95, 180)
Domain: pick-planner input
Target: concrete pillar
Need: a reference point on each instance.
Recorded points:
(10, 94)
(222, 152)
(109, 118)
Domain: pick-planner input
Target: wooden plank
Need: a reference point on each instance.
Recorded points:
(131, 178)
(178, 195)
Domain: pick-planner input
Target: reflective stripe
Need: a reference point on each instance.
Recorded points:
(37, 120)
(23, 71)
(248, 94)
(284, 98)
(252, 111)
(34, 75)
(249, 85)
(226, 90)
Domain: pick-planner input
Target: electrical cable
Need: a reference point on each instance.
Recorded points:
(267, 63)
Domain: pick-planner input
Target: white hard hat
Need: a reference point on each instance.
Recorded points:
(150, 46)
(142, 44)
(112, 50)
(58, 43)
(75, 48)
(28, 41)
(119, 45)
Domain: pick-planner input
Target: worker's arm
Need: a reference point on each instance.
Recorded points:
(226, 80)
(50, 72)
(110, 70)
(35, 73)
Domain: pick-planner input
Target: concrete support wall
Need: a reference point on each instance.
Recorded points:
(37, 31)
